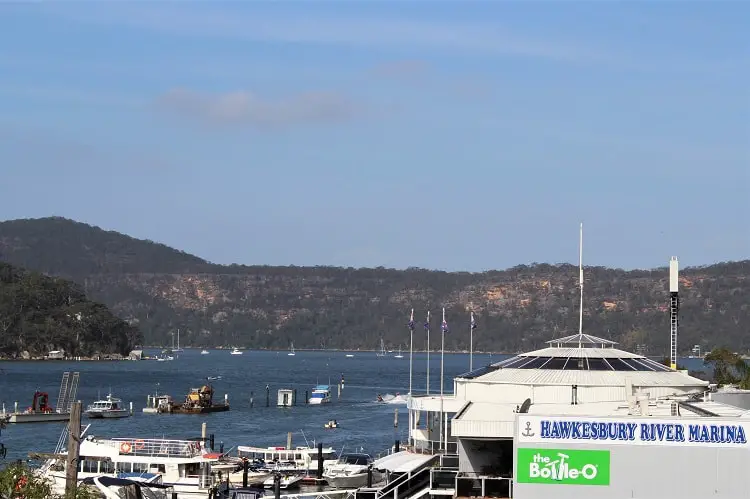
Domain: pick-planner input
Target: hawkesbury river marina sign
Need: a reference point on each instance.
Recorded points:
(715, 432)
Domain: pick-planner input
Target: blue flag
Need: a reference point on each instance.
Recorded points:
(411, 320)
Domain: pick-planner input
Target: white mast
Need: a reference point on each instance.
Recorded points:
(580, 280)
(442, 355)
(428, 352)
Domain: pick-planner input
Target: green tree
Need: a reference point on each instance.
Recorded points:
(729, 367)
(18, 481)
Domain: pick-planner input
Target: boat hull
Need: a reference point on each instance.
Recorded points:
(313, 401)
(108, 415)
(200, 410)
(38, 417)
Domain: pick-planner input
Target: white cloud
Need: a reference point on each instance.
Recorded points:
(243, 107)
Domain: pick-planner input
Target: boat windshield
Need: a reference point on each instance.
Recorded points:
(358, 459)
(318, 395)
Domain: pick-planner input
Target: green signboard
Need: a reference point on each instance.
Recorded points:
(561, 466)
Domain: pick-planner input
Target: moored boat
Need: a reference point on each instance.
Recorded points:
(321, 394)
(350, 472)
(183, 465)
(200, 401)
(302, 459)
(41, 411)
(110, 407)
(287, 481)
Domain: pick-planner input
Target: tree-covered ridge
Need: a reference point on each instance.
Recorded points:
(39, 314)
(62, 247)
(162, 289)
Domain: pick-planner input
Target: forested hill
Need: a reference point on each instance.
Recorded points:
(40, 313)
(161, 289)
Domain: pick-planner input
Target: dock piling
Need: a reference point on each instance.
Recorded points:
(339, 390)
(294, 397)
(397, 446)
(221, 447)
(369, 476)
(74, 446)
(395, 417)
(289, 440)
(245, 467)
(320, 460)
(268, 396)
(251, 399)
(211, 442)
(277, 485)
(306, 397)
(15, 407)
(131, 408)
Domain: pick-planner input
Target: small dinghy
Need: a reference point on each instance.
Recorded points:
(331, 424)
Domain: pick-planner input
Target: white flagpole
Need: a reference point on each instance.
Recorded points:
(428, 352)
(411, 347)
(471, 343)
(442, 355)
(411, 360)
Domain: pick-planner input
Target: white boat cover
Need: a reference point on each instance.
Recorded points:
(402, 462)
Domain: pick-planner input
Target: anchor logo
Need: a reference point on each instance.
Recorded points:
(527, 432)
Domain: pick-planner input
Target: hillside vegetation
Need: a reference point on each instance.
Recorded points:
(161, 289)
(40, 313)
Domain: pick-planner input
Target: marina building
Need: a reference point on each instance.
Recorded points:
(588, 417)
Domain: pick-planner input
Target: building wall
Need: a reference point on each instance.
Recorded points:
(739, 399)
(553, 394)
(651, 472)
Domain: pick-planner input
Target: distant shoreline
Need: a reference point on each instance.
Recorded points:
(404, 353)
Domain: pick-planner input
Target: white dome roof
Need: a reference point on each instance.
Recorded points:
(584, 360)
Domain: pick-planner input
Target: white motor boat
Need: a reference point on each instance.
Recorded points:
(117, 488)
(182, 465)
(205, 352)
(235, 351)
(350, 472)
(298, 459)
(288, 481)
(321, 394)
(111, 407)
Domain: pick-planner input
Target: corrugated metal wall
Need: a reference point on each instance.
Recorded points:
(655, 472)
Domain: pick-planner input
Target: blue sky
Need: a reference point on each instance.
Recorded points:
(451, 135)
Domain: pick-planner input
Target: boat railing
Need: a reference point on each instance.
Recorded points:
(156, 447)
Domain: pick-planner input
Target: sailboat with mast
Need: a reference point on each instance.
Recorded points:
(398, 355)
(178, 349)
(381, 352)
(291, 351)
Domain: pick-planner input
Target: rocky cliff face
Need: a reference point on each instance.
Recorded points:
(160, 289)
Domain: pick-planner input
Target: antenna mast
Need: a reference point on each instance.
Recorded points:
(580, 281)
(674, 307)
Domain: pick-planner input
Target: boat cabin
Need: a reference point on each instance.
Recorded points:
(301, 456)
